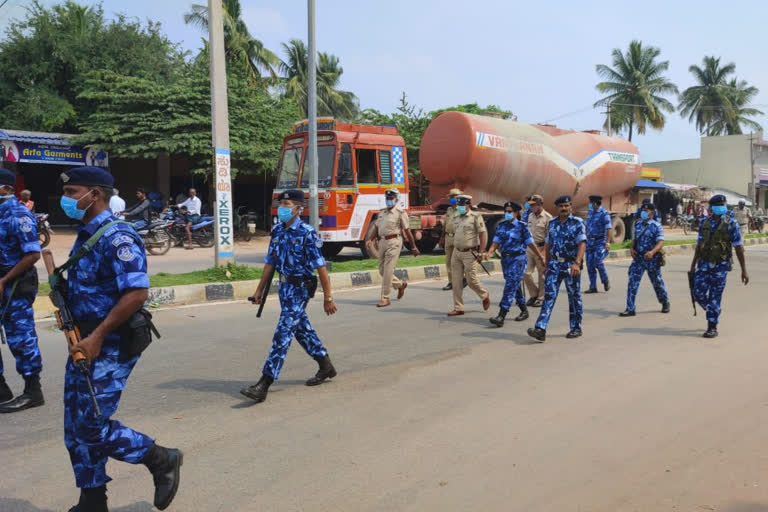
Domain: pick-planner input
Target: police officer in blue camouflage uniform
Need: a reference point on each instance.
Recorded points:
(563, 256)
(294, 251)
(511, 239)
(105, 288)
(19, 250)
(599, 229)
(718, 235)
(646, 246)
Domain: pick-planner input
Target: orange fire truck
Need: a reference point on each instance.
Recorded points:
(356, 164)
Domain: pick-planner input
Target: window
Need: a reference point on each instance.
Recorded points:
(366, 166)
(325, 157)
(345, 177)
(385, 166)
(289, 168)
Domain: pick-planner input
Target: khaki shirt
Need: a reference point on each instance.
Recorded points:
(450, 220)
(537, 225)
(741, 216)
(468, 229)
(391, 221)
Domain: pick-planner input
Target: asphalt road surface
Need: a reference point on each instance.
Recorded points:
(432, 413)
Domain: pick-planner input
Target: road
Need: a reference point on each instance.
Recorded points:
(432, 413)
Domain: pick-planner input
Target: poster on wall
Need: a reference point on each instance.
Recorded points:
(49, 154)
(9, 152)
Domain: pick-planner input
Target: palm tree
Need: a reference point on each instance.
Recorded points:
(330, 100)
(239, 45)
(717, 105)
(635, 88)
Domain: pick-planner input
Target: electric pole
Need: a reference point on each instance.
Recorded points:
(314, 219)
(225, 247)
(609, 119)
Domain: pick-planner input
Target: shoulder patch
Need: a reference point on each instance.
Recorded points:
(125, 253)
(25, 224)
(122, 239)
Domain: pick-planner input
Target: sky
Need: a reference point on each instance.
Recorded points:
(536, 59)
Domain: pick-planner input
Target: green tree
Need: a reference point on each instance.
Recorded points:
(331, 101)
(718, 106)
(240, 46)
(45, 56)
(635, 88)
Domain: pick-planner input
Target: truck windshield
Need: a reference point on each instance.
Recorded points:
(325, 157)
(289, 168)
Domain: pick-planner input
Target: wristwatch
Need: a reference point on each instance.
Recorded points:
(329, 299)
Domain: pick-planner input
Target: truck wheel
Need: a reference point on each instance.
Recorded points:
(629, 226)
(619, 230)
(331, 249)
(426, 245)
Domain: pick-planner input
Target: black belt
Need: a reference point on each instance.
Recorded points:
(563, 260)
(467, 249)
(596, 238)
(388, 237)
(294, 280)
(511, 254)
(540, 244)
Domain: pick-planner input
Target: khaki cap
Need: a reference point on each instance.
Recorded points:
(536, 198)
(455, 192)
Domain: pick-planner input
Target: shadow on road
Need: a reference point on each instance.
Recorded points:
(496, 334)
(225, 387)
(13, 505)
(746, 507)
(662, 331)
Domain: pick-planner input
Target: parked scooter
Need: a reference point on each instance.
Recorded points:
(44, 230)
(202, 230)
(155, 235)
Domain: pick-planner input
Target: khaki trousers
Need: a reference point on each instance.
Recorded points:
(464, 266)
(389, 253)
(534, 290)
(448, 256)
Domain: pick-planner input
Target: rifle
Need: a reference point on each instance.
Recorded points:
(478, 257)
(264, 294)
(67, 324)
(691, 278)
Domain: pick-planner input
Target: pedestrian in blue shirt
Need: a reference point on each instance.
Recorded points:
(719, 234)
(599, 230)
(511, 240)
(564, 256)
(106, 289)
(19, 250)
(294, 252)
(646, 257)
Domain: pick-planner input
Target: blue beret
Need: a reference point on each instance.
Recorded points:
(88, 176)
(292, 195)
(648, 206)
(515, 206)
(718, 199)
(595, 199)
(563, 199)
(7, 177)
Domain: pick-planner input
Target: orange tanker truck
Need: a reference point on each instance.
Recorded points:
(491, 159)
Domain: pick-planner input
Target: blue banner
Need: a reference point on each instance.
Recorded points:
(62, 155)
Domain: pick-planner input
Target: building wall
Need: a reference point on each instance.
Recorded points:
(678, 171)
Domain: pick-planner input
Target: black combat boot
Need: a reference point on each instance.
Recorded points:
(575, 333)
(591, 290)
(627, 312)
(31, 397)
(258, 392)
(537, 333)
(523, 313)
(498, 320)
(5, 392)
(711, 330)
(449, 286)
(607, 285)
(326, 371)
(92, 500)
(165, 466)
(665, 307)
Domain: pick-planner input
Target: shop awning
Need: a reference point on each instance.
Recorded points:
(732, 198)
(762, 177)
(651, 184)
(53, 139)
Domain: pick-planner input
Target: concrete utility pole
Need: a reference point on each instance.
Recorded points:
(314, 219)
(225, 247)
(609, 119)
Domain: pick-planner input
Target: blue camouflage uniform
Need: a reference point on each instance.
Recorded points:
(710, 277)
(116, 264)
(18, 236)
(647, 234)
(513, 238)
(295, 252)
(526, 213)
(597, 223)
(563, 239)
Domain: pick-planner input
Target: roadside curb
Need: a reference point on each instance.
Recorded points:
(240, 290)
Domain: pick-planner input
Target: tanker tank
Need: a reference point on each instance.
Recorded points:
(496, 160)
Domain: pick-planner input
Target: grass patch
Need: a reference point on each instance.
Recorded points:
(373, 264)
(226, 274)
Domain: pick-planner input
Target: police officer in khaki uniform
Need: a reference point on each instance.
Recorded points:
(470, 241)
(743, 216)
(446, 240)
(387, 239)
(538, 220)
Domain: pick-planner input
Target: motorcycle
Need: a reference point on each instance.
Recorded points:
(44, 230)
(155, 236)
(757, 224)
(202, 230)
(243, 223)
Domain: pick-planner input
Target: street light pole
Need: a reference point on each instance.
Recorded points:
(225, 249)
(314, 219)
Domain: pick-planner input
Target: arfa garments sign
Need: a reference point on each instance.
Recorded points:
(49, 154)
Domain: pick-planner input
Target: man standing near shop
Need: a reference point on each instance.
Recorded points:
(449, 232)
(470, 241)
(538, 222)
(192, 215)
(387, 239)
(599, 229)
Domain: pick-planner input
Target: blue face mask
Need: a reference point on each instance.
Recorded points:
(69, 205)
(591, 207)
(644, 215)
(720, 210)
(527, 206)
(509, 215)
(390, 203)
(284, 213)
(462, 209)
(452, 200)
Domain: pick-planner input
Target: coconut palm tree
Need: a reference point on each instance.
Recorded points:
(635, 88)
(718, 106)
(330, 100)
(239, 45)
